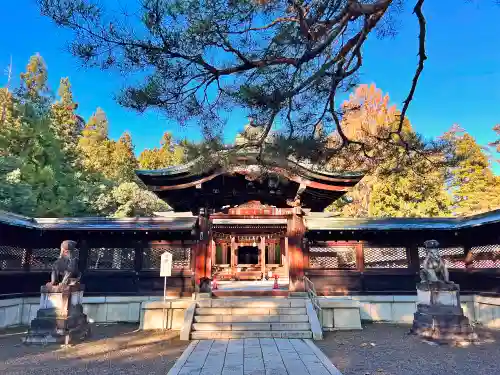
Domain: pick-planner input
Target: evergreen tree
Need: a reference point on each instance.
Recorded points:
(7, 115)
(366, 115)
(167, 155)
(34, 87)
(496, 144)
(95, 146)
(32, 157)
(410, 194)
(113, 160)
(41, 172)
(474, 187)
(123, 159)
(129, 200)
(65, 122)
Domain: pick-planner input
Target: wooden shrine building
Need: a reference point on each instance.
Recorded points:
(242, 223)
(251, 218)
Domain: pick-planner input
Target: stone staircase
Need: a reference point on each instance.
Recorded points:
(232, 318)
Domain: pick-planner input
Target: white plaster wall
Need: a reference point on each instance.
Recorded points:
(10, 312)
(391, 309)
(487, 311)
(163, 315)
(21, 311)
(400, 309)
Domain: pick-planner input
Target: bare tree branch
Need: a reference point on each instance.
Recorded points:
(417, 10)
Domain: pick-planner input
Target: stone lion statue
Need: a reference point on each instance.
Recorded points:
(65, 268)
(434, 269)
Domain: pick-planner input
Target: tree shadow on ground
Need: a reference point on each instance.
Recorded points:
(112, 349)
(388, 349)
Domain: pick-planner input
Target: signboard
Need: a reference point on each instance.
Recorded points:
(166, 264)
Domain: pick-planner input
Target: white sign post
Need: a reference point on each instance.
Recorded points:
(165, 271)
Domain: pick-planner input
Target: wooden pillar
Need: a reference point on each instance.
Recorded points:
(214, 251)
(263, 255)
(210, 256)
(283, 261)
(83, 254)
(138, 250)
(202, 258)
(360, 257)
(413, 261)
(224, 252)
(233, 254)
(305, 252)
(295, 235)
(272, 253)
(26, 260)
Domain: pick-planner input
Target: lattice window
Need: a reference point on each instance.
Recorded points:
(485, 256)
(11, 257)
(44, 258)
(340, 257)
(151, 257)
(114, 258)
(454, 257)
(385, 257)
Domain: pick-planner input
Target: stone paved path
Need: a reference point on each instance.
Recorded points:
(253, 357)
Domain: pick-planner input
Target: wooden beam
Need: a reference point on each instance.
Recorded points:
(187, 184)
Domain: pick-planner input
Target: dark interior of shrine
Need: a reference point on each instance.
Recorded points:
(248, 255)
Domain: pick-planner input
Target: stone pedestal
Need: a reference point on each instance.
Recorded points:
(439, 315)
(60, 317)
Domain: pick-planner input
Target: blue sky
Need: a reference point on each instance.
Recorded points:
(460, 83)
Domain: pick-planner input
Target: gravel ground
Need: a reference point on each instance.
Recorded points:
(383, 349)
(379, 349)
(112, 349)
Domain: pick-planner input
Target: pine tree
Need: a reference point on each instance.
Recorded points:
(66, 124)
(474, 187)
(167, 155)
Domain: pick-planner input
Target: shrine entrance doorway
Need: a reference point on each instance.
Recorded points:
(248, 255)
(249, 244)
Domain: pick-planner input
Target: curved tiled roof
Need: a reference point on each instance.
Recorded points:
(313, 222)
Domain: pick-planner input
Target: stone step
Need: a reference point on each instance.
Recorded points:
(251, 318)
(251, 326)
(210, 335)
(251, 311)
(252, 302)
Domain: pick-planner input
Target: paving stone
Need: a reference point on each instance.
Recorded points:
(273, 371)
(254, 372)
(252, 342)
(232, 370)
(253, 356)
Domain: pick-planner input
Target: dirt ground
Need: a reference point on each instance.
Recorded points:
(383, 349)
(112, 349)
(379, 349)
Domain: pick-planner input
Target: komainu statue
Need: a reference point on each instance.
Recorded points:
(439, 316)
(65, 268)
(60, 317)
(434, 269)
